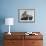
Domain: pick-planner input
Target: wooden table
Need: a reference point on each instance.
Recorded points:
(20, 39)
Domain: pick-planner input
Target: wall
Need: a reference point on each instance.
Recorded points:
(9, 8)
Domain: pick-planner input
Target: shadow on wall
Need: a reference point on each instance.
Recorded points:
(2, 21)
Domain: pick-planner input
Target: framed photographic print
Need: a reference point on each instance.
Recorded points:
(26, 15)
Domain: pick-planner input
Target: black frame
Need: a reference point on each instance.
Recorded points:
(31, 13)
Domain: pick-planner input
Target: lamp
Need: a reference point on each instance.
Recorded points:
(9, 21)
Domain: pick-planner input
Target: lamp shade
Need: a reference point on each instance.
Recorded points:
(9, 21)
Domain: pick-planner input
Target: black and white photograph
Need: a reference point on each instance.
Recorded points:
(26, 15)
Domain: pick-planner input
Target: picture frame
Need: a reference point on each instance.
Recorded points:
(26, 15)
